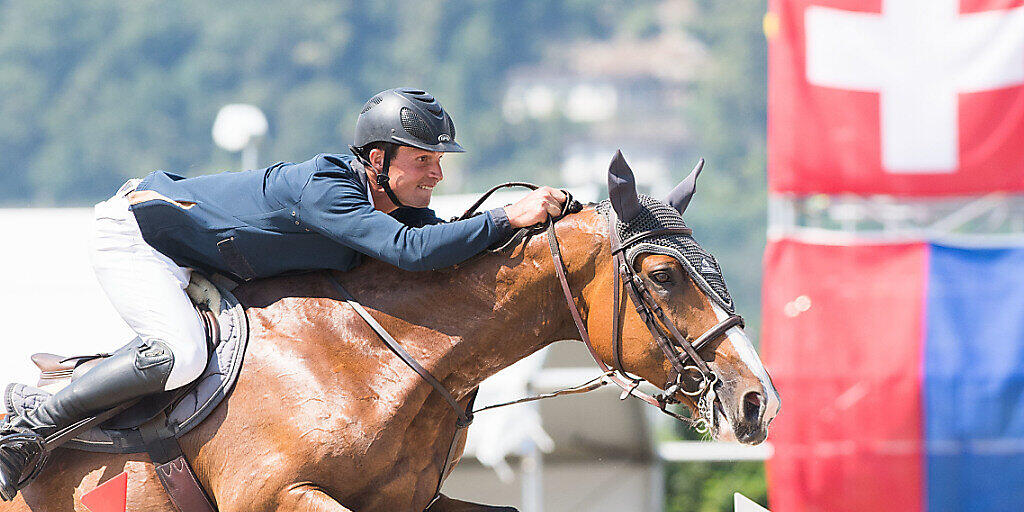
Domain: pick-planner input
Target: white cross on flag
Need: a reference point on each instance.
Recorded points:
(903, 97)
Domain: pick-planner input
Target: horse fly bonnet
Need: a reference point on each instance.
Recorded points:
(677, 242)
(641, 224)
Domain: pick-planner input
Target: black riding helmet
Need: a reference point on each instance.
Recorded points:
(407, 117)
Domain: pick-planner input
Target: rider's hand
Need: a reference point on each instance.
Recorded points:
(535, 207)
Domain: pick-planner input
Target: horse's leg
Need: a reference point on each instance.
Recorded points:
(308, 498)
(446, 504)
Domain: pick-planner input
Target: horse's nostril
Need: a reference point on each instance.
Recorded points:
(752, 406)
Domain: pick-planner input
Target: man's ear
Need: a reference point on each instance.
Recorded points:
(376, 157)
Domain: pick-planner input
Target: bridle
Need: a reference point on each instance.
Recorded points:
(664, 331)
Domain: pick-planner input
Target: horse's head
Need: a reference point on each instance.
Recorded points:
(684, 310)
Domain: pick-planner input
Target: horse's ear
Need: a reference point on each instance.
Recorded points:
(622, 188)
(680, 196)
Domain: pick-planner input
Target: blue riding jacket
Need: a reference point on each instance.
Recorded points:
(293, 217)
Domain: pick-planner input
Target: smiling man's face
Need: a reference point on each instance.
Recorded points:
(414, 174)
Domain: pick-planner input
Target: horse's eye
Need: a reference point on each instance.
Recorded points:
(661, 276)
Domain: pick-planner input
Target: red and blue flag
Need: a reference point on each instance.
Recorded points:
(901, 368)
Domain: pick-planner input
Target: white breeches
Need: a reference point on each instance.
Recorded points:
(146, 287)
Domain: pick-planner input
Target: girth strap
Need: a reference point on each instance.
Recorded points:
(173, 469)
(183, 487)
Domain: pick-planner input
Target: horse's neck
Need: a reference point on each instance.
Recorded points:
(495, 309)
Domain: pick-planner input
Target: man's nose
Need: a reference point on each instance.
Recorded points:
(435, 171)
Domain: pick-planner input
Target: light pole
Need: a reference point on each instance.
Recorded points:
(239, 127)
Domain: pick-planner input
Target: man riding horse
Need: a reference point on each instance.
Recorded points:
(326, 212)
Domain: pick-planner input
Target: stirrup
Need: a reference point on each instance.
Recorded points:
(37, 462)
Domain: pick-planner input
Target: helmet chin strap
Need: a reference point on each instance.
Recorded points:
(383, 180)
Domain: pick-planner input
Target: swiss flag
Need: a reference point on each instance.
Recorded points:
(902, 97)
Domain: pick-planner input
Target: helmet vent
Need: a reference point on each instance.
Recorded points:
(451, 127)
(374, 101)
(434, 108)
(415, 126)
(425, 99)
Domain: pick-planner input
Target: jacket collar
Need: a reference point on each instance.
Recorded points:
(363, 178)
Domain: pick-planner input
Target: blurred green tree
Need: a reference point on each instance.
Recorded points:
(93, 93)
(709, 486)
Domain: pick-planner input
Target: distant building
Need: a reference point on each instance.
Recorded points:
(624, 92)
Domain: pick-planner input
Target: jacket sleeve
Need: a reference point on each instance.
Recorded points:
(334, 203)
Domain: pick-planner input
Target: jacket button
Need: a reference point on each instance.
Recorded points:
(293, 213)
(296, 223)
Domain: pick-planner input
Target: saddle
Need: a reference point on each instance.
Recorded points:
(56, 371)
(154, 424)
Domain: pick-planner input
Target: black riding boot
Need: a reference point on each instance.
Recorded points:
(127, 374)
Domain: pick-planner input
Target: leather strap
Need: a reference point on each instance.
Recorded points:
(465, 416)
(452, 447)
(383, 179)
(718, 330)
(619, 377)
(173, 469)
(159, 440)
(616, 327)
(472, 209)
(235, 260)
(629, 389)
(71, 431)
(182, 486)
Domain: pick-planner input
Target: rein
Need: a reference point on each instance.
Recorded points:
(653, 315)
(524, 232)
(465, 416)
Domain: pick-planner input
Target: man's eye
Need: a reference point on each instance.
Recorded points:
(661, 276)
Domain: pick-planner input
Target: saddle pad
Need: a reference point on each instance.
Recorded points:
(183, 414)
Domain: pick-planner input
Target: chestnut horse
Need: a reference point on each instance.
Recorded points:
(325, 418)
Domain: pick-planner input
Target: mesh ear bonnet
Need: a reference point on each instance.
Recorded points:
(700, 264)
